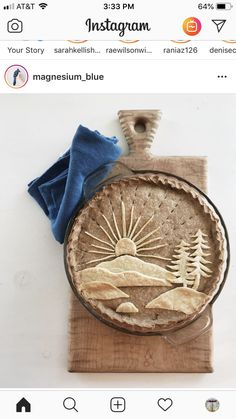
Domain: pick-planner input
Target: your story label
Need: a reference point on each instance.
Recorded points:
(26, 50)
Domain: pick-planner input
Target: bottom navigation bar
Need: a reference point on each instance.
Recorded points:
(104, 403)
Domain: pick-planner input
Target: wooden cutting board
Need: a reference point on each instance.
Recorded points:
(95, 347)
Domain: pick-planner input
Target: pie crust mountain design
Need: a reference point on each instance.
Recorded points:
(147, 253)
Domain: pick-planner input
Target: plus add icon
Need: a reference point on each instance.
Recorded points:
(117, 404)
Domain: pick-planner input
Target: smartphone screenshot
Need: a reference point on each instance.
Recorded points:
(117, 209)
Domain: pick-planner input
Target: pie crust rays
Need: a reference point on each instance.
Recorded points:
(147, 253)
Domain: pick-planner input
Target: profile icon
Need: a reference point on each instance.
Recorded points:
(212, 405)
(16, 76)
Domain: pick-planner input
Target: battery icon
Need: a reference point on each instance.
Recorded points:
(224, 6)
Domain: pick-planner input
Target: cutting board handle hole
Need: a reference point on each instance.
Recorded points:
(140, 126)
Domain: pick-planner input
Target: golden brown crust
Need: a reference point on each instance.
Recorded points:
(168, 212)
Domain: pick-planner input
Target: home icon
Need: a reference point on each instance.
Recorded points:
(23, 406)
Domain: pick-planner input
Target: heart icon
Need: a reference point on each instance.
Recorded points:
(165, 404)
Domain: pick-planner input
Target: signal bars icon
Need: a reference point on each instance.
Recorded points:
(9, 7)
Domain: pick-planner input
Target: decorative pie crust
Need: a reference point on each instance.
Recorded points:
(147, 253)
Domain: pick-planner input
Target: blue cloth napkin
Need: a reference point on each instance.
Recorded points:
(60, 189)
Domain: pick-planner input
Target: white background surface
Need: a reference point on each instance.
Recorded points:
(34, 293)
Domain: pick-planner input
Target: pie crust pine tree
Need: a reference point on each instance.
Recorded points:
(198, 258)
(181, 265)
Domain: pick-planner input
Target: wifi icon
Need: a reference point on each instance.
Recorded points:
(43, 5)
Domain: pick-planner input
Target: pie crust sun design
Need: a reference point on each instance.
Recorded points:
(147, 253)
(128, 241)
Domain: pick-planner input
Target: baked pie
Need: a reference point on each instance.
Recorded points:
(147, 253)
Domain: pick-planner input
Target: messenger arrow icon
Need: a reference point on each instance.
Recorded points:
(219, 23)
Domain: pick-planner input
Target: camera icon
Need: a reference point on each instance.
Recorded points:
(15, 26)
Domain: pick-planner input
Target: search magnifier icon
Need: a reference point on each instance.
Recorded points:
(70, 404)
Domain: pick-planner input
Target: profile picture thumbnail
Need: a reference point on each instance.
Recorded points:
(16, 76)
(212, 405)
